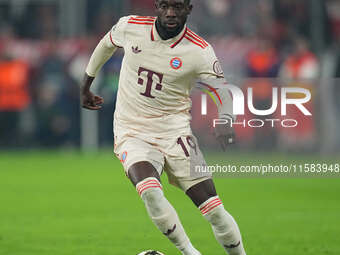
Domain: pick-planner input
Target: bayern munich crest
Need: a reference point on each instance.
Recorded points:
(176, 63)
(123, 157)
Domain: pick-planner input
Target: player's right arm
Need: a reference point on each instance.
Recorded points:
(103, 52)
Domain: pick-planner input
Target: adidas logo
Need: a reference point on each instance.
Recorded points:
(136, 50)
(232, 246)
(170, 231)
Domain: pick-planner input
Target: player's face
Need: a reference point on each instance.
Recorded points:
(172, 14)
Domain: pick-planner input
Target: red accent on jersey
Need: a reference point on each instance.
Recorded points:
(195, 42)
(144, 17)
(141, 19)
(140, 23)
(152, 36)
(197, 37)
(192, 36)
(180, 39)
(113, 41)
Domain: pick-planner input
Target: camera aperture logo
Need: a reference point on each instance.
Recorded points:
(281, 98)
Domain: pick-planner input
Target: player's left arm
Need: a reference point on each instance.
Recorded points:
(212, 78)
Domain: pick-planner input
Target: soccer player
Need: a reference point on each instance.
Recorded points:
(152, 130)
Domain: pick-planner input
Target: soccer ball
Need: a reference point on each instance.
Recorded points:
(150, 252)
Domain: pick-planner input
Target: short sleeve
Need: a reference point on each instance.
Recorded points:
(117, 33)
(209, 66)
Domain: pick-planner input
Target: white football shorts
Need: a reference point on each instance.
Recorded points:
(177, 156)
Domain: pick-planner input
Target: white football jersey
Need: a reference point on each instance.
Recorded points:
(157, 76)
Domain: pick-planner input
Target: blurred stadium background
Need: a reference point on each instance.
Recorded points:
(45, 45)
(55, 200)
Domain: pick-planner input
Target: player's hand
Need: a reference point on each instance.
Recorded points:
(91, 101)
(225, 135)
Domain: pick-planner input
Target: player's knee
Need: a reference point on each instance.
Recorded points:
(201, 192)
(141, 171)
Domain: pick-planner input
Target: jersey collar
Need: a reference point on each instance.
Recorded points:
(173, 42)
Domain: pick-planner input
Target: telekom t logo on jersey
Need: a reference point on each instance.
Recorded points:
(150, 74)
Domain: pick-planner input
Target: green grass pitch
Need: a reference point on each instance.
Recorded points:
(54, 203)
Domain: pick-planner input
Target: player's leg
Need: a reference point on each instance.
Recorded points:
(223, 224)
(142, 170)
(146, 179)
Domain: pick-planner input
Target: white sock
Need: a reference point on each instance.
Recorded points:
(164, 215)
(224, 226)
